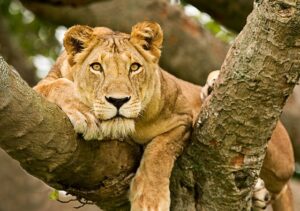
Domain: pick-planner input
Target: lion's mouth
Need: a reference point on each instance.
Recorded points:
(118, 116)
(103, 113)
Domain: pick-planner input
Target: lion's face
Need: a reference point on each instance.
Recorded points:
(115, 73)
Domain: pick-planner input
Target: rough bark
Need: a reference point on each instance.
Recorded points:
(257, 76)
(183, 37)
(12, 52)
(230, 13)
(230, 137)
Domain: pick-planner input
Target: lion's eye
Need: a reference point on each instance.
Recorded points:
(96, 66)
(135, 67)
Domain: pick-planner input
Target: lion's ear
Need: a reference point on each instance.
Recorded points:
(149, 36)
(77, 38)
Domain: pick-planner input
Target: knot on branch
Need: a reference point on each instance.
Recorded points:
(285, 9)
(257, 3)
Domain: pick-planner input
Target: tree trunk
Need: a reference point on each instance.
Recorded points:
(234, 125)
(229, 142)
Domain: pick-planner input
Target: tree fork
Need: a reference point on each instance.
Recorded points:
(218, 168)
(40, 136)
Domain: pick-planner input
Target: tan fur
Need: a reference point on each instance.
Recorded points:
(160, 111)
(278, 168)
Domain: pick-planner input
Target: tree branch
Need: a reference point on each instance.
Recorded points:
(257, 76)
(230, 13)
(39, 135)
(183, 37)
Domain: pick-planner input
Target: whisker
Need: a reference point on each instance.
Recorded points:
(103, 107)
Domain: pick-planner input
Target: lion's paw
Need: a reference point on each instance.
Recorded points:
(85, 123)
(147, 197)
(208, 87)
(149, 202)
(261, 197)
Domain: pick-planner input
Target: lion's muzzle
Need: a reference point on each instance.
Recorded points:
(117, 102)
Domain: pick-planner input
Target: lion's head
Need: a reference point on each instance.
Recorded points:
(115, 73)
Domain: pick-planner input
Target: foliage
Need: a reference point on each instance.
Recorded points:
(34, 35)
(54, 195)
(37, 36)
(210, 24)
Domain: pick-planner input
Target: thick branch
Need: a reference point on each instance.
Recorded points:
(39, 135)
(235, 124)
(230, 13)
(184, 38)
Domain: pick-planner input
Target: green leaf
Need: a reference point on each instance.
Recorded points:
(54, 195)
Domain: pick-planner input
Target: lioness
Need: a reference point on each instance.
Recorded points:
(111, 87)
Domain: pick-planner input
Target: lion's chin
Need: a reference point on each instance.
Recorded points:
(117, 128)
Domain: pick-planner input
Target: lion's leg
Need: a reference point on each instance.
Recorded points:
(61, 92)
(284, 200)
(149, 189)
(278, 168)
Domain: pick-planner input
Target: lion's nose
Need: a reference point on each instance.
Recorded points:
(118, 102)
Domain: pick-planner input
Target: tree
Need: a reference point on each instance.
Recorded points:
(230, 13)
(58, 157)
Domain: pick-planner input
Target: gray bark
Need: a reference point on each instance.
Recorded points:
(257, 76)
(230, 138)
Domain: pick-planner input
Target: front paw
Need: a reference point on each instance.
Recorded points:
(147, 195)
(84, 122)
(261, 197)
(208, 87)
